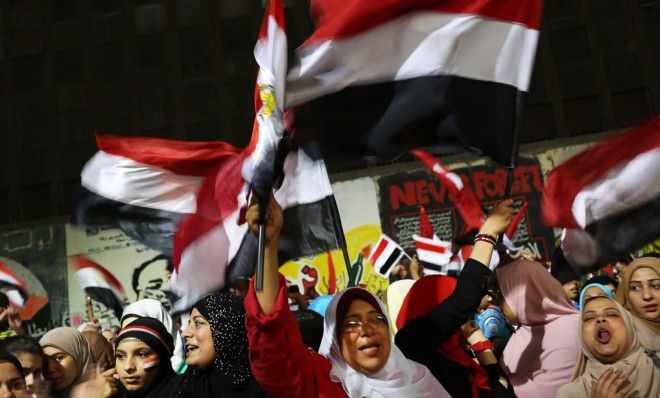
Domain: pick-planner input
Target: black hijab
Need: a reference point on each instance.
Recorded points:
(230, 374)
(154, 334)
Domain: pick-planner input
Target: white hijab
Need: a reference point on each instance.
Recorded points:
(150, 308)
(400, 377)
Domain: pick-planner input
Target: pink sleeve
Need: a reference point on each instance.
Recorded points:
(281, 363)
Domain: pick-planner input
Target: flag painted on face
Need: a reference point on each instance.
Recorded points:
(607, 197)
(392, 75)
(385, 255)
(99, 284)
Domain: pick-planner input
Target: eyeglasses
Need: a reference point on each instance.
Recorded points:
(375, 321)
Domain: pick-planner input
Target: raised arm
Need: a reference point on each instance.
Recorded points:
(273, 223)
(425, 333)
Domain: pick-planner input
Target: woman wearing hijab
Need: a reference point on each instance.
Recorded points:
(103, 354)
(539, 357)
(69, 355)
(436, 307)
(12, 383)
(217, 350)
(154, 309)
(356, 357)
(592, 290)
(612, 359)
(144, 348)
(639, 293)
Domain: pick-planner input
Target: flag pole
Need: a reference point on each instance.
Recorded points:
(515, 144)
(261, 247)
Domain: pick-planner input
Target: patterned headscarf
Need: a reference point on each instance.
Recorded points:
(226, 316)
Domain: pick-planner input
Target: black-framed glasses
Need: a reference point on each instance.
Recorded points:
(375, 321)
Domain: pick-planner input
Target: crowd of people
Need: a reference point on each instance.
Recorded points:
(517, 331)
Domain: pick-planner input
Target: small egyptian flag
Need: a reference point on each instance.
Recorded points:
(386, 255)
(18, 294)
(434, 253)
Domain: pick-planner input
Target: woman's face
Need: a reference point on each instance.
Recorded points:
(200, 351)
(364, 338)
(136, 364)
(603, 330)
(61, 368)
(12, 384)
(644, 293)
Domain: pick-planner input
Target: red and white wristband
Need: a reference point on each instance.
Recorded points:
(486, 238)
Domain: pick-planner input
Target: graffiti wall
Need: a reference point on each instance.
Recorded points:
(141, 271)
(33, 274)
(402, 194)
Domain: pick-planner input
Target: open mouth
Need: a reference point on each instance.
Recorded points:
(369, 349)
(190, 348)
(603, 336)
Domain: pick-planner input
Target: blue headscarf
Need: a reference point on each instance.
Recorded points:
(604, 288)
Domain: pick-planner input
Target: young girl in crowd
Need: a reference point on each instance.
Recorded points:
(31, 356)
(356, 357)
(154, 309)
(69, 355)
(540, 356)
(613, 363)
(217, 350)
(142, 363)
(639, 293)
(12, 383)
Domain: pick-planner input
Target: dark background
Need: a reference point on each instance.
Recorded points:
(184, 69)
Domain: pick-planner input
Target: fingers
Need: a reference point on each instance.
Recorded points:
(109, 373)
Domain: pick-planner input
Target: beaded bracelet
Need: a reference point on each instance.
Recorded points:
(486, 238)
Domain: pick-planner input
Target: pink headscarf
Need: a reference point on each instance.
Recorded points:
(540, 356)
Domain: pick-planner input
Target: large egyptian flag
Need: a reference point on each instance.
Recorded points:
(378, 77)
(145, 186)
(607, 197)
(99, 283)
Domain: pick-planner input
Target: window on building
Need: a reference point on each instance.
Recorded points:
(26, 42)
(64, 10)
(29, 104)
(108, 26)
(650, 17)
(583, 115)
(153, 113)
(537, 123)
(109, 58)
(193, 51)
(632, 107)
(25, 14)
(188, 12)
(200, 98)
(67, 66)
(103, 6)
(153, 83)
(34, 201)
(71, 96)
(238, 34)
(73, 128)
(68, 192)
(27, 72)
(150, 51)
(33, 133)
(149, 18)
(114, 118)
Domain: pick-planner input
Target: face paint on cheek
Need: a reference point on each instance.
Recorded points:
(150, 362)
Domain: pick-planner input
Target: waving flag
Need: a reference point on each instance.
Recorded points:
(607, 197)
(145, 186)
(435, 254)
(461, 194)
(261, 167)
(385, 255)
(379, 77)
(12, 286)
(100, 284)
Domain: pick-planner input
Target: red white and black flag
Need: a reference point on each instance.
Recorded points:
(99, 284)
(607, 197)
(385, 255)
(391, 75)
